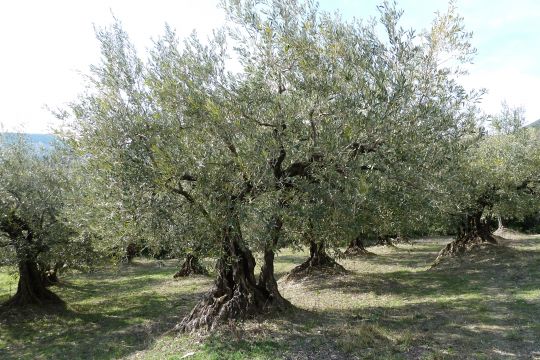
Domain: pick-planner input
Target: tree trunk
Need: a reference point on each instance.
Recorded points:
(385, 240)
(472, 231)
(31, 290)
(131, 252)
(49, 275)
(402, 239)
(500, 223)
(191, 266)
(235, 295)
(267, 279)
(319, 262)
(356, 248)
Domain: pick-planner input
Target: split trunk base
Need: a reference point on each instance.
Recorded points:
(319, 262)
(236, 294)
(191, 266)
(356, 248)
(474, 232)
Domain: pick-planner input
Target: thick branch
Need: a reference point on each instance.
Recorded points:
(299, 168)
(313, 126)
(180, 191)
(248, 189)
(260, 123)
(278, 163)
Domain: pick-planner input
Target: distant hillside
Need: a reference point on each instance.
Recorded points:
(535, 124)
(40, 141)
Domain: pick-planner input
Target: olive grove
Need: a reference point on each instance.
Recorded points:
(325, 130)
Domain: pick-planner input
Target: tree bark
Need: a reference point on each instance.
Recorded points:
(131, 252)
(357, 248)
(31, 290)
(191, 266)
(402, 239)
(385, 240)
(472, 231)
(318, 262)
(267, 279)
(49, 275)
(236, 294)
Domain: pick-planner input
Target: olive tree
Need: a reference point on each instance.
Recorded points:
(168, 128)
(34, 231)
(319, 112)
(402, 116)
(497, 175)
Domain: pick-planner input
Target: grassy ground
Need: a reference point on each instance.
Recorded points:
(483, 306)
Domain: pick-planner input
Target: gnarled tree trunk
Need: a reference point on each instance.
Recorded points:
(31, 290)
(191, 266)
(402, 239)
(267, 279)
(318, 262)
(473, 231)
(49, 275)
(356, 248)
(385, 240)
(236, 294)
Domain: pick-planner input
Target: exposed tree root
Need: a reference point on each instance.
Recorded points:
(191, 266)
(235, 296)
(318, 263)
(475, 232)
(356, 248)
(31, 290)
(385, 240)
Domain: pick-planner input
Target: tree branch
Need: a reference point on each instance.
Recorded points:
(358, 149)
(180, 191)
(278, 163)
(260, 123)
(299, 168)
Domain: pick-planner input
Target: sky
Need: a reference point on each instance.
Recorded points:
(46, 46)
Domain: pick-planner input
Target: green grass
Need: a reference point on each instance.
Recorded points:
(8, 282)
(389, 306)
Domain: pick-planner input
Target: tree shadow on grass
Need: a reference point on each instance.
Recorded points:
(453, 329)
(489, 269)
(111, 325)
(457, 328)
(472, 307)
